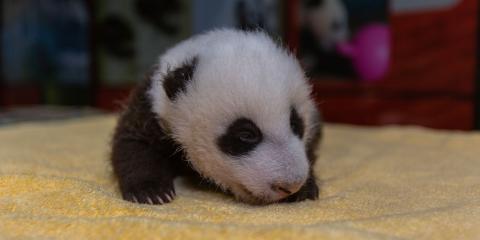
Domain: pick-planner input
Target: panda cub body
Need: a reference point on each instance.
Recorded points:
(228, 106)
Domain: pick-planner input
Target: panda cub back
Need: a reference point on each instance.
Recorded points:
(228, 106)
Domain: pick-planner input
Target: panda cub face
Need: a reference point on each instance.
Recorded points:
(268, 167)
(241, 110)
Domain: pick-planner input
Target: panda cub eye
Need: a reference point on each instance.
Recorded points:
(248, 136)
(241, 137)
(296, 123)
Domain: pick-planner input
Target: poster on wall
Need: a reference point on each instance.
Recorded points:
(133, 33)
(344, 40)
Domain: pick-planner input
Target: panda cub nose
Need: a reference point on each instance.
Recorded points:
(285, 189)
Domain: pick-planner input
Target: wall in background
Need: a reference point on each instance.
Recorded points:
(88, 52)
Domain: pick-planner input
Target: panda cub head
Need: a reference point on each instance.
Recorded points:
(240, 107)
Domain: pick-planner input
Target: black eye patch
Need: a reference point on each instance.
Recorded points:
(296, 123)
(241, 137)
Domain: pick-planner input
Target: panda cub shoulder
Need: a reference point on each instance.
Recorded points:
(228, 106)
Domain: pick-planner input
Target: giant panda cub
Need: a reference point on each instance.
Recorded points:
(229, 107)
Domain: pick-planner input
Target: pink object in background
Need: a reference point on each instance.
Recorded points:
(369, 51)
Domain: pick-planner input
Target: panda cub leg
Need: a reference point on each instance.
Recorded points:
(143, 176)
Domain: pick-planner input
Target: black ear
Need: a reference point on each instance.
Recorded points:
(176, 80)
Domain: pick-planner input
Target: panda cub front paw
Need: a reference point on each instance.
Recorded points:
(149, 193)
(309, 191)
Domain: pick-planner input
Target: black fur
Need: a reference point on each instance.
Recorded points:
(144, 158)
(177, 80)
(241, 137)
(317, 135)
(296, 123)
(309, 190)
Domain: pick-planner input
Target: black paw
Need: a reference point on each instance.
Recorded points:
(149, 193)
(309, 191)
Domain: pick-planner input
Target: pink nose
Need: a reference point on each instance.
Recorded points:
(286, 189)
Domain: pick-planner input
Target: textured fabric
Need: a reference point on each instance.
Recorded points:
(377, 183)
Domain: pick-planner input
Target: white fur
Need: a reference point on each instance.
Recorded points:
(238, 74)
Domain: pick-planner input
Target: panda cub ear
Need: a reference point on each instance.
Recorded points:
(176, 80)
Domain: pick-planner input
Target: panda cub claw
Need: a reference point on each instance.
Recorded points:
(145, 194)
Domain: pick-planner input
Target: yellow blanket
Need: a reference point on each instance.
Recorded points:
(378, 183)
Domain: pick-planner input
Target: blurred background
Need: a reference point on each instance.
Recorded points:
(371, 62)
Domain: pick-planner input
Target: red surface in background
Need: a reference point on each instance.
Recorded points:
(432, 76)
(112, 98)
(19, 95)
(368, 110)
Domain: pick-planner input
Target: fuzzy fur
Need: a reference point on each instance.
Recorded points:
(235, 75)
